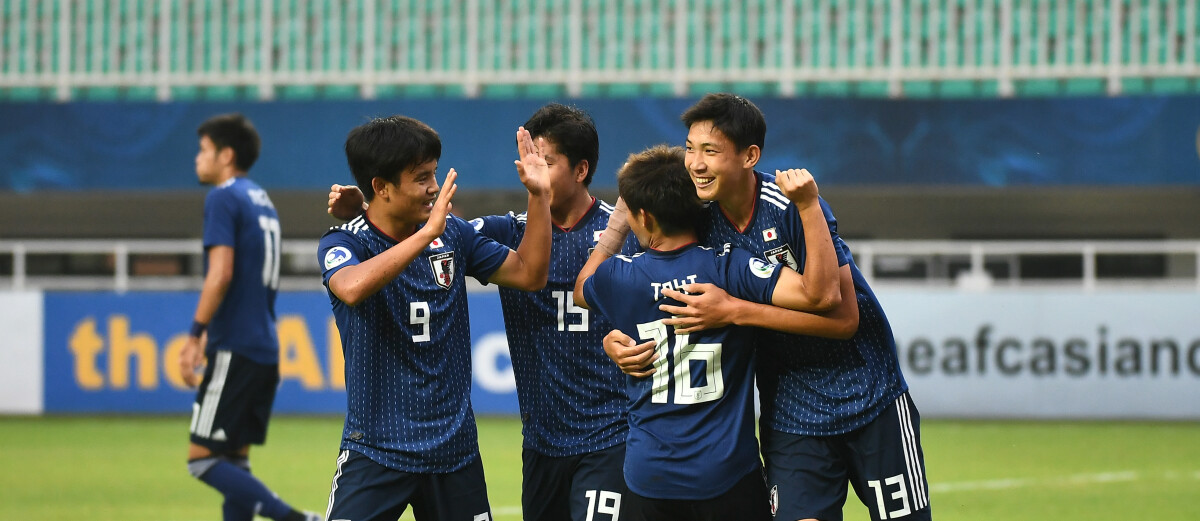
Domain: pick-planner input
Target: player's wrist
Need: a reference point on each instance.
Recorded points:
(198, 329)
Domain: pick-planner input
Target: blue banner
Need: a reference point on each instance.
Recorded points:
(118, 353)
(1011, 142)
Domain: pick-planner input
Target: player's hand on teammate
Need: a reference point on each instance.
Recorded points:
(191, 358)
(705, 306)
(531, 167)
(633, 359)
(346, 202)
(798, 185)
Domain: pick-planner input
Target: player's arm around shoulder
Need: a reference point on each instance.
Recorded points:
(820, 284)
(611, 243)
(841, 322)
(528, 267)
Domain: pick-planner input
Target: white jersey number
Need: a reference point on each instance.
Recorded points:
(272, 251)
(566, 307)
(418, 317)
(685, 357)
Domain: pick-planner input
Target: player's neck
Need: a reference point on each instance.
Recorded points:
(226, 175)
(397, 229)
(738, 203)
(568, 214)
(662, 242)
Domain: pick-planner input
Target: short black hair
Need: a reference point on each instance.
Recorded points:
(236, 132)
(386, 147)
(736, 117)
(572, 129)
(656, 180)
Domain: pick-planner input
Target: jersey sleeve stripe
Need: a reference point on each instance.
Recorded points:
(771, 193)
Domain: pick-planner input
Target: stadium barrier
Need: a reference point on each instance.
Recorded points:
(1013, 353)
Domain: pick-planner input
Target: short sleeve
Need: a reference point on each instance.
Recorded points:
(748, 277)
(499, 228)
(337, 250)
(483, 255)
(220, 218)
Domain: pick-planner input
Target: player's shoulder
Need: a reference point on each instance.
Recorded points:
(770, 197)
(356, 227)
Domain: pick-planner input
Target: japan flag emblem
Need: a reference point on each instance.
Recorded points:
(437, 243)
(770, 234)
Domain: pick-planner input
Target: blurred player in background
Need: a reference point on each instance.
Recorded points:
(236, 315)
(396, 280)
(572, 397)
(692, 454)
(834, 410)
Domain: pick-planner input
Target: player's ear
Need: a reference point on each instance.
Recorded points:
(225, 156)
(581, 170)
(751, 156)
(379, 186)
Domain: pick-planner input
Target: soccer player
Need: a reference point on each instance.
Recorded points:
(236, 315)
(396, 282)
(572, 397)
(691, 451)
(835, 410)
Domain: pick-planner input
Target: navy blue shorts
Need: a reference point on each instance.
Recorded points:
(882, 460)
(233, 403)
(364, 490)
(579, 488)
(746, 501)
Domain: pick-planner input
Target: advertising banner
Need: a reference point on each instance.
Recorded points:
(1047, 354)
(999, 354)
(119, 353)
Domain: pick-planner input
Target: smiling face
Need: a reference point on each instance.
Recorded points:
(410, 200)
(714, 162)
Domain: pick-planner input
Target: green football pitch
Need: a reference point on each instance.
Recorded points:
(132, 469)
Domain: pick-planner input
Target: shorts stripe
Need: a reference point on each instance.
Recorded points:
(212, 394)
(345, 455)
(916, 475)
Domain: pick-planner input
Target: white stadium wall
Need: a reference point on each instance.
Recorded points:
(996, 354)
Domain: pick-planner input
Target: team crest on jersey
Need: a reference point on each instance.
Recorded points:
(336, 256)
(774, 499)
(443, 268)
(782, 255)
(770, 234)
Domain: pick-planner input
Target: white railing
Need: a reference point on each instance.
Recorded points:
(962, 265)
(159, 46)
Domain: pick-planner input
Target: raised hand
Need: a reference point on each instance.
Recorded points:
(441, 207)
(798, 185)
(705, 306)
(531, 167)
(345, 202)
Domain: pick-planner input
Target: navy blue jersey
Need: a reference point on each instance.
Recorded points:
(238, 214)
(809, 385)
(572, 396)
(691, 423)
(408, 347)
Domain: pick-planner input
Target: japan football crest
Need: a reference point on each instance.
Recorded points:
(443, 268)
(782, 255)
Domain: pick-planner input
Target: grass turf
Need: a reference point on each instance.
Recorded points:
(132, 468)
